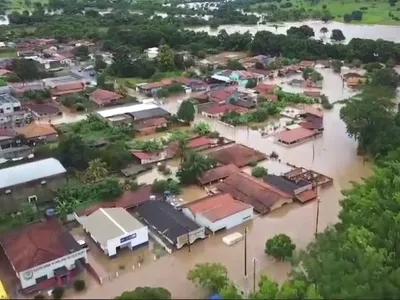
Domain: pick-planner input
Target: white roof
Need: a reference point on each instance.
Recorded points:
(222, 78)
(109, 223)
(30, 171)
(120, 110)
(293, 126)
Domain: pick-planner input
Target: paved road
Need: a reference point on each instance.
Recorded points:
(85, 74)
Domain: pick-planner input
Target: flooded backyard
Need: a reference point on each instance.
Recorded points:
(334, 155)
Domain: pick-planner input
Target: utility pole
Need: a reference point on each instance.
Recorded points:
(317, 217)
(245, 252)
(254, 274)
(188, 235)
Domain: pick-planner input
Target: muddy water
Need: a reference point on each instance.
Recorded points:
(334, 155)
(350, 31)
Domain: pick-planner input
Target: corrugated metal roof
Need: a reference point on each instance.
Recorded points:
(120, 110)
(30, 171)
(109, 223)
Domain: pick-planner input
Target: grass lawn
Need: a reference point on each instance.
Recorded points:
(376, 12)
(20, 4)
(8, 54)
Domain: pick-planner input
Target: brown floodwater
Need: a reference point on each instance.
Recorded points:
(334, 156)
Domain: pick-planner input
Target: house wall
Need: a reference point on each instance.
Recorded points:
(137, 237)
(12, 202)
(227, 223)
(281, 202)
(193, 236)
(302, 189)
(28, 277)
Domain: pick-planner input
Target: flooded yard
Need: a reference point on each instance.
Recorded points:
(334, 154)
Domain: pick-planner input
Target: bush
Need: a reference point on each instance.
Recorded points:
(79, 285)
(213, 134)
(58, 292)
(280, 247)
(259, 171)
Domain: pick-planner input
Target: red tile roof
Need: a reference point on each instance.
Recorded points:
(307, 63)
(237, 154)
(218, 173)
(312, 93)
(156, 85)
(307, 196)
(314, 111)
(222, 95)
(141, 154)
(217, 207)
(68, 88)
(4, 72)
(36, 244)
(224, 108)
(266, 88)
(199, 142)
(291, 136)
(151, 123)
(102, 97)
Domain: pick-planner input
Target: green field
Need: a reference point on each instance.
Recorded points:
(8, 54)
(373, 12)
(24, 5)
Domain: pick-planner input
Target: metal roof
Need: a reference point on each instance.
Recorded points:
(109, 223)
(30, 171)
(120, 110)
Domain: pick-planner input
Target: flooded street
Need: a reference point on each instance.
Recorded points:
(335, 156)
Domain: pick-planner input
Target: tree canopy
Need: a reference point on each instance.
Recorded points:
(280, 247)
(210, 276)
(186, 111)
(145, 293)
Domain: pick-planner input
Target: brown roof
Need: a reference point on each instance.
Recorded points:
(306, 196)
(217, 207)
(307, 63)
(266, 88)
(237, 154)
(218, 173)
(37, 243)
(222, 95)
(156, 85)
(127, 200)
(248, 189)
(314, 111)
(102, 97)
(43, 108)
(151, 123)
(312, 93)
(224, 108)
(290, 136)
(4, 72)
(35, 130)
(68, 88)
(353, 81)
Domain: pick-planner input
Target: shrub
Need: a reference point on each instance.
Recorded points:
(259, 172)
(58, 292)
(213, 134)
(79, 285)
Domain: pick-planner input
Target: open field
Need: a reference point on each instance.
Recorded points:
(132, 81)
(8, 54)
(373, 12)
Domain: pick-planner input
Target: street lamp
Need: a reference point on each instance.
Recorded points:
(245, 252)
(254, 274)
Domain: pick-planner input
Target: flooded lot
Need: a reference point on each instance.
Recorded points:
(334, 156)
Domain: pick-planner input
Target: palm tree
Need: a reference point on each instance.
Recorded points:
(324, 30)
(96, 171)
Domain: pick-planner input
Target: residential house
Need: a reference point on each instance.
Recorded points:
(33, 182)
(225, 95)
(313, 94)
(67, 88)
(248, 189)
(217, 174)
(11, 147)
(54, 62)
(38, 133)
(217, 212)
(104, 98)
(262, 60)
(307, 64)
(240, 77)
(19, 88)
(5, 73)
(133, 113)
(45, 110)
(11, 113)
(297, 82)
(313, 118)
(150, 89)
(151, 53)
(151, 126)
(194, 85)
(237, 154)
(218, 110)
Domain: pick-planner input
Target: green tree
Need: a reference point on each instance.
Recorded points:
(259, 171)
(82, 52)
(337, 35)
(160, 186)
(165, 59)
(73, 152)
(96, 171)
(193, 165)
(145, 293)
(292, 289)
(385, 77)
(312, 293)
(186, 111)
(234, 64)
(99, 63)
(210, 276)
(26, 69)
(251, 83)
(202, 128)
(267, 289)
(337, 66)
(230, 291)
(280, 247)
(324, 30)
(101, 80)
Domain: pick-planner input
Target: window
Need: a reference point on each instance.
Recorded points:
(8, 108)
(32, 198)
(8, 192)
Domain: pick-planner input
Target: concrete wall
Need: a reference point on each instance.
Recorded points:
(28, 277)
(141, 236)
(281, 202)
(226, 223)
(12, 202)
(193, 236)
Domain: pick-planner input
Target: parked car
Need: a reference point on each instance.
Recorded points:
(83, 244)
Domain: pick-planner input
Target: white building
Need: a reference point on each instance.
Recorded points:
(43, 254)
(113, 229)
(218, 212)
(151, 52)
(11, 113)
